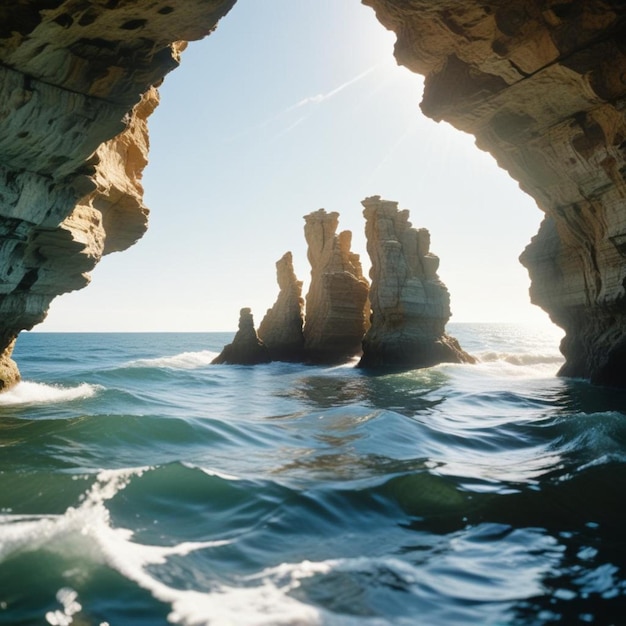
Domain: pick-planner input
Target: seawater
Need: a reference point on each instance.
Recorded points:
(141, 485)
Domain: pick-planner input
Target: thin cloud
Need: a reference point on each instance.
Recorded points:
(322, 97)
(313, 100)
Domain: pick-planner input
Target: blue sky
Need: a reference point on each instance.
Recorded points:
(288, 107)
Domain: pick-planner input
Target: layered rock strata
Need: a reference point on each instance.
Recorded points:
(542, 86)
(281, 328)
(410, 305)
(540, 83)
(76, 87)
(246, 347)
(337, 306)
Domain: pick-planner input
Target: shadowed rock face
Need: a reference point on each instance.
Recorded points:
(542, 86)
(540, 83)
(337, 307)
(281, 328)
(410, 305)
(76, 88)
(246, 348)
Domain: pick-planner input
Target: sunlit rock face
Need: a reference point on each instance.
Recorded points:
(410, 305)
(542, 86)
(540, 83)
(76, 87)
(281, 328)
(337, 306)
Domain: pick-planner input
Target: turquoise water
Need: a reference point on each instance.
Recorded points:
(141, 485)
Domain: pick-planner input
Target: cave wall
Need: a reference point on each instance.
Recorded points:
(76, 87)
(540, 83)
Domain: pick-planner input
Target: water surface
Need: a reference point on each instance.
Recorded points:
(140, 485)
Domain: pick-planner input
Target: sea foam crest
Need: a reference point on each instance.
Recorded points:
(26, 392)
(520, 358)
(184, 360)
(85, 533)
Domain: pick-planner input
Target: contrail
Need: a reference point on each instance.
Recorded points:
(321, 97)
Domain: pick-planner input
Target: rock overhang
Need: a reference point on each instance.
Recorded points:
(538, 82)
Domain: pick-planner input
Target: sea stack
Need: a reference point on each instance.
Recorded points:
(410, 305)
(246, 348)
(337, 307)
(281, 328)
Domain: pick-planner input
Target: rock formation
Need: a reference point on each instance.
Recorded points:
(410, 305)
(281, 328)
(246, 348)
(542, 86)
(337, 306)
(540, 83)
(76, 87)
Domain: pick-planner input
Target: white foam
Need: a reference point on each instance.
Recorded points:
(85, 533)
(184, 360)
(26, 392)
(521, 358)
(66, 597)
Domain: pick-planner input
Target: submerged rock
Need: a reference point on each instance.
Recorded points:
(410, 305)
(337, 307)
(281, 328)
(246, 348)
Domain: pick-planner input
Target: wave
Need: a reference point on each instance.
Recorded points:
(86, 537)
(520, 358)
(184, 360)
(26, 392)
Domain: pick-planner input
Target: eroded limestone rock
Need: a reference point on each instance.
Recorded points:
(246, 348)
(76, 86)
(281, 328)
(540, 84)
(410, 305)
(337, 306)
(542, 87)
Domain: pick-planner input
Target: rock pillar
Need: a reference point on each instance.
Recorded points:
(410, 305)
(246, 348)
(281, 328)
(337, 306)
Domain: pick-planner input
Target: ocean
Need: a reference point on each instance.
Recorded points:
(143, 486)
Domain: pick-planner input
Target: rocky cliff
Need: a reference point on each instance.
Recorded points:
(281, 328)
(540, 83)
(542, 86)
(410, 305)
(76, 86)
(337, 306)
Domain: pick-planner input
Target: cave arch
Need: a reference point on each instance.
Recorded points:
(539, 87)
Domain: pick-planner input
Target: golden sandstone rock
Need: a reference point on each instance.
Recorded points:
(542, 86)
(407, 303)
(410, 305)
(540, 83)
(281, 328)
(337, 308)
(76, 86)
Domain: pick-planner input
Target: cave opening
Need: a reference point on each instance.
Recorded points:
(282, 110)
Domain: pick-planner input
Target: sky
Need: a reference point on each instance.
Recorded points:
(288, 107)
